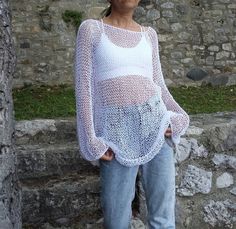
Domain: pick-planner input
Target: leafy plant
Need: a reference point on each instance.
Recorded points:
(73, 16)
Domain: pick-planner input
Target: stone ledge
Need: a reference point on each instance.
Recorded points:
(41, 161)
(57, 131)
(68, 197)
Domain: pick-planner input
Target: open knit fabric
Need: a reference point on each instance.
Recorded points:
(122, 101)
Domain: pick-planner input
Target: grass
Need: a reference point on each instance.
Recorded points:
(43, 102)
(206, 99)
(59, 101)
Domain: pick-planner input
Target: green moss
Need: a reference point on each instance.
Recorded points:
(72, 16)
(59, 101)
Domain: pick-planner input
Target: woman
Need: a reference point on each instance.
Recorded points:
(126, 118)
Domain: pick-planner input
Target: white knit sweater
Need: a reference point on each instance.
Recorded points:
(122, 101)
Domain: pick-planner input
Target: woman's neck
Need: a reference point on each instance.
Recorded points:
(124, 20)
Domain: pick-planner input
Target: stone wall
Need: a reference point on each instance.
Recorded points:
(10, 192)
(197, 38)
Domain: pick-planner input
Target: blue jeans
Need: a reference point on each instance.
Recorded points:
(118, 191)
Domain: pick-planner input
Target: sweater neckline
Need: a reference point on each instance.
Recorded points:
(120, 47)
(128, 30)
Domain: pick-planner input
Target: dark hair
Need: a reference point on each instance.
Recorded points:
(106, 11)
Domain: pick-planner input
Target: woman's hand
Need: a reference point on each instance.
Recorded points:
(108, 155)
(168, 132)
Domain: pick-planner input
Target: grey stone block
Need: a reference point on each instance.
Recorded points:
(69, 197)
(38, 161)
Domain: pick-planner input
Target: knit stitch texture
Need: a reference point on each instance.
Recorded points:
(122, 101)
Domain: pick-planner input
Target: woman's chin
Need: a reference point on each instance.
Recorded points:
(129, 4)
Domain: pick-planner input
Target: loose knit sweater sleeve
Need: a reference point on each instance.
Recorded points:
(91, 146)
(178, 117)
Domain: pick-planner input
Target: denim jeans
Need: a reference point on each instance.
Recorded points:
(118, 191)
